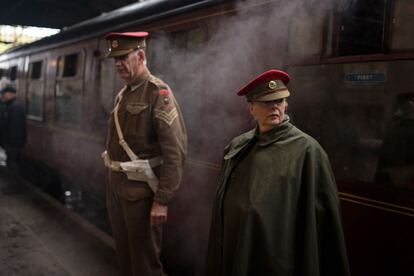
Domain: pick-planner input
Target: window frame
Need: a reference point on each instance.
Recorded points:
(12, 71)
(60, 78)
(327, 54)
(42, 80)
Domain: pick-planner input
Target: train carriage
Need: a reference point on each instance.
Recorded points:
(351, 63)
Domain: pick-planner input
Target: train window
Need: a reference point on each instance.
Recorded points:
(179, 40)
(68, 89)
(161, 49)
(166, 50)
(107, 85)
(13, 73)
(361, 27)
(402, 25)
(68, 99)
(188, 39)
(35, 70)
(196, 37)
(364, 122)
(305, 32)
(68, 65)
(35, 92)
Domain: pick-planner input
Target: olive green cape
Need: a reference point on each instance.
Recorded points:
(276, 211)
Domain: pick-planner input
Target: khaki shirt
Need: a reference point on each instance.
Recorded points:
(152, 125)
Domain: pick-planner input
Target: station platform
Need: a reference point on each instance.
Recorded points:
(39, 236)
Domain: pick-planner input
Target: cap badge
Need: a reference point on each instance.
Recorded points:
(114, 44)
(272, 84)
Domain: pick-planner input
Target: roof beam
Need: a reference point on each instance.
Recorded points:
(54, 13)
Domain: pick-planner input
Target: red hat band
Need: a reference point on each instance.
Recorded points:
(268, 86)
(124, 43)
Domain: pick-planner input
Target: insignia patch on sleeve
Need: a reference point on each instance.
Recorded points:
(167, 116)
(164, 92)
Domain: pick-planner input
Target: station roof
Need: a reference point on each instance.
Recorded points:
(55, 13)
(134, 14)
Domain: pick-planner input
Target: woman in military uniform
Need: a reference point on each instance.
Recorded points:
(276, 211)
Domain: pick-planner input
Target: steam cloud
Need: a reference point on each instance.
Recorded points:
(205, 79)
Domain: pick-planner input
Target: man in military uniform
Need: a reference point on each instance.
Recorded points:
(276, 209)
(151, 128)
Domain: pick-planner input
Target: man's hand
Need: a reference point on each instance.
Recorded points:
(158, 214)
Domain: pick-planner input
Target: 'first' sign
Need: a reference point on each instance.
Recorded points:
(366, 77)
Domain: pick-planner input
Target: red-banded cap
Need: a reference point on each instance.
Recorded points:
(268, 86)
(123, 43)
(127, 34)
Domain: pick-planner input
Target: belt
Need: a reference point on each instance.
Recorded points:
(115, 165)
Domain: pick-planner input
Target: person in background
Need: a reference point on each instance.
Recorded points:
(146, 125)
(13, 137)
(396, 156)
(276, 211)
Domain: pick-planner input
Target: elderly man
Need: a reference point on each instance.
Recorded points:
(13, 137)
(276, 210)
(146, 148)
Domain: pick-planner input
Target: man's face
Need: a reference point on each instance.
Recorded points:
(268, 114)
(6, 96)
(129, 66)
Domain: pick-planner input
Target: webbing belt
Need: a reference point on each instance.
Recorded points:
(115, 165)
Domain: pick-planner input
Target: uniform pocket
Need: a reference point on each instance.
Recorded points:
(136, 108)
(135, 122)
(137, 193)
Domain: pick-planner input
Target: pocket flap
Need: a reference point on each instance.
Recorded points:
(136, 108)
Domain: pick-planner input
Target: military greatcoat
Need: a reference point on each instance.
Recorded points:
(276, 210)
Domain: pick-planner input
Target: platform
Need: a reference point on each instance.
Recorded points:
(39, 237)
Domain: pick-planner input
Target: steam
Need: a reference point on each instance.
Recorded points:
(205, 79)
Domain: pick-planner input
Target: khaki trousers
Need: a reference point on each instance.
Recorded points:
(137, 244)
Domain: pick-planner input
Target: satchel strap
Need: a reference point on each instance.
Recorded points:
(122, 141)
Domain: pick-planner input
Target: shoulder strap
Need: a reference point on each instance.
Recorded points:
(122, 142)
(119, 95)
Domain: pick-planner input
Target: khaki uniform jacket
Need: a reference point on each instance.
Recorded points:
(152, 125)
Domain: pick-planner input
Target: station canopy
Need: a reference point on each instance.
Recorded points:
(24, 21)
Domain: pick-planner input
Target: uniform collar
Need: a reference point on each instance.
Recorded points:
(263, 139)
(244, 140)
(140, 80)
(271, 136)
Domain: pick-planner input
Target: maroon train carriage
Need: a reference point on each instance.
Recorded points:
(352, 87)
